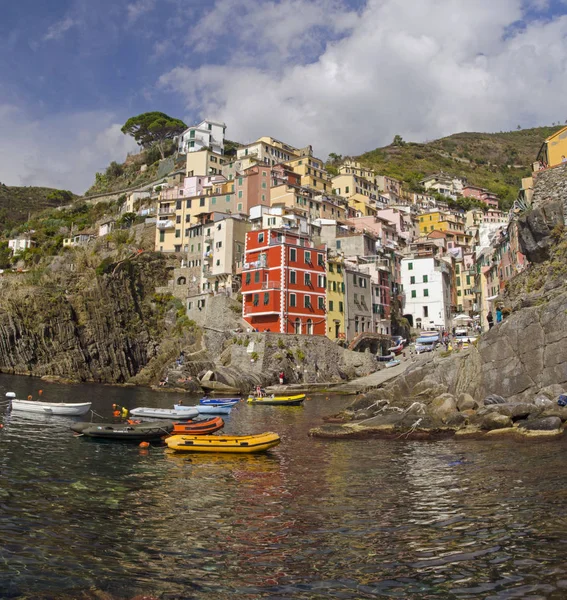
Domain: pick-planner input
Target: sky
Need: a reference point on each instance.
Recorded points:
(344, 76)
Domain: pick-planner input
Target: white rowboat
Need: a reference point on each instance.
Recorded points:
(189, 412)
(205, 409)
(51, 408)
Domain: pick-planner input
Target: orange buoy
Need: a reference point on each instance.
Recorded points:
(30, 397)
(40, 392)
(144, 444)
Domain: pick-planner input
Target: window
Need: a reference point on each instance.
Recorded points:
(321, 303)
(256, 300)
(356, 298)
(218, 262)
(187, 218)
(260, 238)
(162, 236)
(188, 204)
(347, 189)
(192, 134)
(339, 269)
(410, 266)
(213, 201)
(178, 205)
(457, 269)
(191, 144)
(331, 268)
(240, 194)
(307, 301)
(413, 294)
(331, 305)
(308, 257)
(264, 184)
(266, 298)
(425, 311)
(292, 277)
(240, 181)
(248, 277)
(343, 287)
(334, 286)
(425, 279)
(320, 260)
(412, 279)
(292, 300)
(321, 281)
(239, 206)
(202, 202)
(459, 280)
(341, 309)
(458, 292)
(257, 277)
(178, 233)
(292, 255)
(338, 248)
(177, 248)
(227, 198)
(307, 279)
(355, 280)
(426, 292)
(309, 327)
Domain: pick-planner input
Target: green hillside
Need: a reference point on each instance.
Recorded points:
(17, 203)
(496, 161)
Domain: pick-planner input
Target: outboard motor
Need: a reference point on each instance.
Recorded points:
(10, 396)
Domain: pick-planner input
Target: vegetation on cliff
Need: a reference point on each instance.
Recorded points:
(18, 203)
(496, 161)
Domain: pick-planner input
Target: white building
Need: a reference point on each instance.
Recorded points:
(18, 245)
(207, 134)
(427, 287)
(444, 184)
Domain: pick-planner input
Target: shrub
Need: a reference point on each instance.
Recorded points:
(281, 344)
(104, 266)
(254, 356)
(114, 170)
(300, 354)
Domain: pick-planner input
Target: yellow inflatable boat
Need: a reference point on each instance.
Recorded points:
(277, 400)
(223, 443)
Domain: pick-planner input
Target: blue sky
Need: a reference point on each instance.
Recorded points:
(342, 76)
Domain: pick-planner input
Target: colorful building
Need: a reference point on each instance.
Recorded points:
(284, 283)
(336, 299)
(206, 134)
(553, 151)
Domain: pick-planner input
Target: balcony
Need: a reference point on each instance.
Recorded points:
(162, 225)
(271, 285)
(166, 210)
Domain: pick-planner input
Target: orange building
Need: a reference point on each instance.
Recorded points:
(284, 283)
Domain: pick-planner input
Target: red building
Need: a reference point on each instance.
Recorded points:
(284, 283)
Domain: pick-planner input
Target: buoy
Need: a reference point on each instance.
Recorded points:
(40, 392)
(29, 397)
(144, 444)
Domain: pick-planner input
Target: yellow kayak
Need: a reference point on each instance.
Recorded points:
(223, 443)
(277, 400)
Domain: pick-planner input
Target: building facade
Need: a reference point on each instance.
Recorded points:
(284, 283)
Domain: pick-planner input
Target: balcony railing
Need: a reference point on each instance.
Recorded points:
(271, 285)
(166, 210)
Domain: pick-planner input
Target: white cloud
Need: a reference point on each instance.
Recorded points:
(140, 7)
(420, 69)
(56, 31)
(63, 151)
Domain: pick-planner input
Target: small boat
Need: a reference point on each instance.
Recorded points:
(392, 363)
(277, 400)
(206, 409)
(139, 432)
(214, 401)
(73, 409)
(223, 443)
(188, 412)
(205, 427)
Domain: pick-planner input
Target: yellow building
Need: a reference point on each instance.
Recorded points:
(312, 172)
(348, 185)
(351, 167)
(362, 206)
(554, 150)
(335, 299)
(175, 217)
(204, 163)
(465, 283)
(440, 221)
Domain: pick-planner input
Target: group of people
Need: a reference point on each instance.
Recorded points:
(490, 317)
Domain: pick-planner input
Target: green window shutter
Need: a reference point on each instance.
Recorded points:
(413, 294)
(425, 279)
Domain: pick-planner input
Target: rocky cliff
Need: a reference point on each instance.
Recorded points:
(82, 319)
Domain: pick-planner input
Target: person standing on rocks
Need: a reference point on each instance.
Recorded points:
(490, 320)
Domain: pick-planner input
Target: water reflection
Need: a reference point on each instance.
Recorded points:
(311, 519)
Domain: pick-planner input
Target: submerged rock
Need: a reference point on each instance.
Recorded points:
(544, 424)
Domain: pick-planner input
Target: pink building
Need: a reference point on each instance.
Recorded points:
(252, 187)
(490, 199)
(473, 191)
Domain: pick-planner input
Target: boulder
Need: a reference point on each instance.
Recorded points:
(443, 407)
(542, 401)
(493, 420)
(543, 424)
(427, 389)
(551, 391)
(555, 411)
(515, 411)
(466, 402)
(535, 229)
(494, 399)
